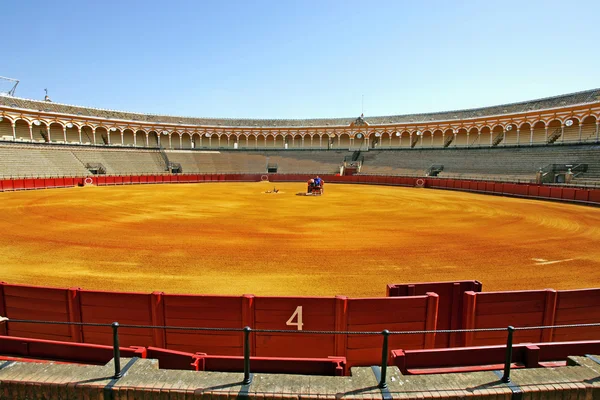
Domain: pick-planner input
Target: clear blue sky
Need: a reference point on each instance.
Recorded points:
(299, 59)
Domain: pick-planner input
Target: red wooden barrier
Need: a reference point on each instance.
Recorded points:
(39, 183)
(332, 366)
(480, 310)
(36, 303)
(533, 190)
(394, 314)
(594, 196)
(18, 184)
(64, 351)
(510, 188)
(107, 307)
(451, 295)
(556, 192)
(582, 194)
(205, 311)
(577, 307)
(568, 194)
(501, 309)
(294, 314)
(543, 191)
(531, 355)
(29, 184)
(485, 358)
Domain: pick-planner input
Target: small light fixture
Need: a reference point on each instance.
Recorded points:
(397, 133)
(509, 128)
(69, 125)
(113, 129)
(37, 122)
(569, 122)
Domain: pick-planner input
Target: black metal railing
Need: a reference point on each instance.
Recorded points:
(247, 330)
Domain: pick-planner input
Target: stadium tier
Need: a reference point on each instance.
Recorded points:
(507, 142)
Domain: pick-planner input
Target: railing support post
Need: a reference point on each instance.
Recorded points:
(508, 359)
(247, 378)
(116, 350)
(384, 359)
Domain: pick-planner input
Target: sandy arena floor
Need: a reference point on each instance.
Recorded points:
(233, 238)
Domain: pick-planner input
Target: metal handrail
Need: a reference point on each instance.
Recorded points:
(247, 330)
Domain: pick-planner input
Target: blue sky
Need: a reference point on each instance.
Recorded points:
(299, 59)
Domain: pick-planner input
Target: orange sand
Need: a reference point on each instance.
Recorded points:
(233, 238)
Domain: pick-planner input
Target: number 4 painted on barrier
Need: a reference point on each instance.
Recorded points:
(298, 315)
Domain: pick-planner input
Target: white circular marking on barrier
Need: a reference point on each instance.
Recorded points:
(264, 178)
(88, 181)
(420, 183)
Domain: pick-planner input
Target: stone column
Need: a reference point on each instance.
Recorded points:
(531, 137)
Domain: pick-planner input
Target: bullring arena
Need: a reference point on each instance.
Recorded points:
(443, 228)
(232, 238)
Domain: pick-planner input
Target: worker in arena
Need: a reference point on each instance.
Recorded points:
(318, 181)
(311, 184)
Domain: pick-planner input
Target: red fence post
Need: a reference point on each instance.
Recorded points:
(549, 315)
(3, 330)
(454, 338)
(157, 313)
(469, 317)
(431, 316)
(248, 319)
(74, 303)
(341, 324)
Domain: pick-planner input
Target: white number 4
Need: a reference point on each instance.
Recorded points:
(298, 315)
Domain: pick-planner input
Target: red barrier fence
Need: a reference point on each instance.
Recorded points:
(531, 308)
(170, 359)
(577, 195)
(64, 351)
(28, 349)
(462, 305)
(451, 296)
(277, 313)
(412, 313)
(485, 358)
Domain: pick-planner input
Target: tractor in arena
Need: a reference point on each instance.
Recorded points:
(315, 187)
